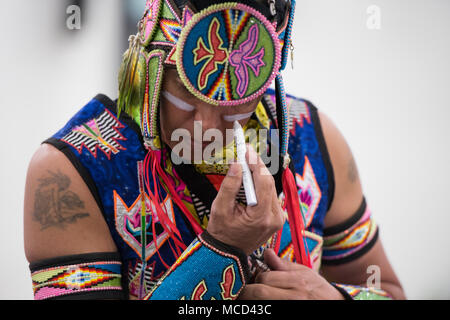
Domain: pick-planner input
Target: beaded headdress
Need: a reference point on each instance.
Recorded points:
(226, 54)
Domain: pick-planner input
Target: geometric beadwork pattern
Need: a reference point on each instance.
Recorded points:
(314, 243)
(168, 28)
(71, 279)
(201, 210)
(351, 240)
(128, 223)
(309, 192)
(150, 20)
(298, 111)
(98, 133)
(191, 278)
(134, 277)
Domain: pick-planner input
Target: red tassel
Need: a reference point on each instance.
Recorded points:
(295, 218)
(157, 170)
(150, 163)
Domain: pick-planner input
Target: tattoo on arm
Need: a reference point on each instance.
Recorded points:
(55, 205)
(352, 170)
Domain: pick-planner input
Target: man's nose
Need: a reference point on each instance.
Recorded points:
(208, 115)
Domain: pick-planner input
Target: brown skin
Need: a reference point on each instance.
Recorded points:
(246, 228)
(63, 227)
(61, 216)
(348, 195)
(288, 281)
(291, 281)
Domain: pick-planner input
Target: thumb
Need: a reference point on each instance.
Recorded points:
(276, 263)
(230, 186)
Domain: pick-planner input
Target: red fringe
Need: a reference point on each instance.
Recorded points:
(152, 163)
(295, 218)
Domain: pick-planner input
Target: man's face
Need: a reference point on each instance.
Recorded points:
(186, 109)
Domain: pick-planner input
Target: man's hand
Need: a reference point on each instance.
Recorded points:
(288, 281)
(246, 228)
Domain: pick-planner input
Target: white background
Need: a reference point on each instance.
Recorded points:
(387, 91)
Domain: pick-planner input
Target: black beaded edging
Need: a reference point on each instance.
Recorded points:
(238, 253)
(75, 259)
(350, 222)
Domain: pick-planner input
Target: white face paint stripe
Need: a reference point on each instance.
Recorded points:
(182, 105)
(177, 102)
(237, 117)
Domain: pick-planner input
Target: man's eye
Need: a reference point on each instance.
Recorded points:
(179, 103)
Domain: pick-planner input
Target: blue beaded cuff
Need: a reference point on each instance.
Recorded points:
(207, 270)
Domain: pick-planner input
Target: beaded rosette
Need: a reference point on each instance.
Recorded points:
(228, 54)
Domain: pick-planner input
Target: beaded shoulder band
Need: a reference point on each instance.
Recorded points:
(351, 239)
(78, 277)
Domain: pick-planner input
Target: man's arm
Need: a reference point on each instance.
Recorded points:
(288, 280)
(215, 266)
(347, 199)
(63, 223)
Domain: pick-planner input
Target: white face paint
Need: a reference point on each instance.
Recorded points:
(237, 117)
(177, 102)
(184, 106)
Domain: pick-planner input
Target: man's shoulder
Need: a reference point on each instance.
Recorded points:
(97, 132)
(300, 109)
(271, 93)
(93, 109)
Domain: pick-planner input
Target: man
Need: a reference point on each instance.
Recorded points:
(113, 210)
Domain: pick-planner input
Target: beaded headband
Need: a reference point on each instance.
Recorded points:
(226, 54)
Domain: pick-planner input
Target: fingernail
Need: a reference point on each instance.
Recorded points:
(233, 169)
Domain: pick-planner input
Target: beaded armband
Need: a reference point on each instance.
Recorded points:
(207, 270)
(351, 292)
(78, 277)
(351, 239)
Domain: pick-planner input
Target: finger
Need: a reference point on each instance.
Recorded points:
(263, 180)
(278, 279)
(277, 210)
(257, 291)
(276, 263)
(255, 162)
(226, 197)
